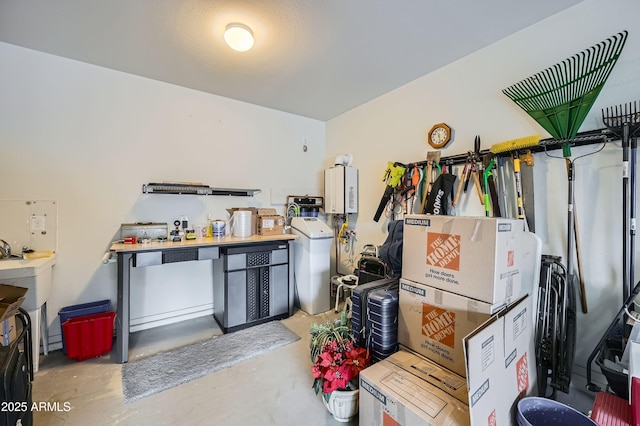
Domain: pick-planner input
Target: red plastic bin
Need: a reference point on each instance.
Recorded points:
(89, 336)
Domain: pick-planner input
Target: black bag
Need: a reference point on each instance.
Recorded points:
(391, 250)
(439, 198)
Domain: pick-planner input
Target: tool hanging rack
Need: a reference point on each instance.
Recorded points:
(591, 137)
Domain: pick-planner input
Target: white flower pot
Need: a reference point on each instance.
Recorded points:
(343, 405)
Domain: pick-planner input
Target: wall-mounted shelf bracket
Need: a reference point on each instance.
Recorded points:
(191, 188)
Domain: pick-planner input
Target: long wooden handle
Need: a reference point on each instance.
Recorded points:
(478, 186)
(427, 187)
(583, 291)
(462, 178)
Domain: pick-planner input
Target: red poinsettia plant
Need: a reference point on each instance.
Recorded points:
(338, 363)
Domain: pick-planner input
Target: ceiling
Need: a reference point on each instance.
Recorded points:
(315, 58)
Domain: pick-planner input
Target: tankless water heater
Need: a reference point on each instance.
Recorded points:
(341, 190)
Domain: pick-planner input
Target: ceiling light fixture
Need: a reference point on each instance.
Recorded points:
(239, 37)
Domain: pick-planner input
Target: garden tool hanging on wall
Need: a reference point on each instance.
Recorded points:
(514, 147)
(471, 170)
(624, 121)
(439, 198)
(559, 99)
(392, 176)
(491, 204)
(433, 158)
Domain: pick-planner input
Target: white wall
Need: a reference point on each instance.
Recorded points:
(89, 138)
(467, 96)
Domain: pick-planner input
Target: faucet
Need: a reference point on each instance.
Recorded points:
(5, 249)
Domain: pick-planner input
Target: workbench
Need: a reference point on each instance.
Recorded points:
(159, 253)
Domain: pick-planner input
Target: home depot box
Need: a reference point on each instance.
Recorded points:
(433, 322)
(501, 365)
(405, 389)
(489, 259)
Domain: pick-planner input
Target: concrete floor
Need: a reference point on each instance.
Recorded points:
(272, 389)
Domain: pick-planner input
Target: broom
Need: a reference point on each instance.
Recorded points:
(514, 146)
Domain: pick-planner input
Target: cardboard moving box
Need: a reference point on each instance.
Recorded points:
(501, 364)
(270, 225)
(11, 298)
(493, 260)
(408, 389)
(433, 322)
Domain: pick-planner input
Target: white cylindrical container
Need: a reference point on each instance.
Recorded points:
(241, 223)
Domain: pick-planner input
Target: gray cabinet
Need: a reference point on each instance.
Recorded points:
(251, 285)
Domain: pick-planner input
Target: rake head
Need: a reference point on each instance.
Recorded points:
(560, 97)
(615, 118)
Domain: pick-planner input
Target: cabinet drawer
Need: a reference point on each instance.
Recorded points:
(236, 261)
(279, 256)
(208, 253)
(147, 259)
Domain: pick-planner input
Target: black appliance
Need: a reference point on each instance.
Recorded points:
(16, 375)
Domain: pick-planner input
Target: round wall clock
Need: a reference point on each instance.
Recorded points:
(439, 135)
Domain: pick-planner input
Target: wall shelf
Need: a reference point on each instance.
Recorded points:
(188, 188)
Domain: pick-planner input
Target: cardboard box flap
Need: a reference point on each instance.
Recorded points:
(500, 359)
(391, 395)
(11, 297)
(267, 212)
(450, 382)
(490, 323)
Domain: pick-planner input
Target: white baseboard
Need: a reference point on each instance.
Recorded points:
(148, 322)
(166, 318)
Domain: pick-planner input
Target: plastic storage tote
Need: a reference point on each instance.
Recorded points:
(80, 310)
(89, 336)
(538, 411)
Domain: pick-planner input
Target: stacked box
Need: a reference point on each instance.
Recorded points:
(409, 389)
(493, 260)
(464, 306)
(433, 323)
(501, 364)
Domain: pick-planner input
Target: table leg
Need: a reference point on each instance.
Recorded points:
(122, 317)
(292, 284)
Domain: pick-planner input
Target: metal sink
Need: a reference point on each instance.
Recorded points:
(32, 274)
(12, 257)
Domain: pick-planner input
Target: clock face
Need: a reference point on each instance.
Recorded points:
(439, 135)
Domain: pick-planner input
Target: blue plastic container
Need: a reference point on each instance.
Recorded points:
(81, 310)
(538, 411)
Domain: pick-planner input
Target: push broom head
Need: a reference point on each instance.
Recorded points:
(515, 144)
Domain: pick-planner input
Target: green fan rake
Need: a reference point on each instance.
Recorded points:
(559, 99)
